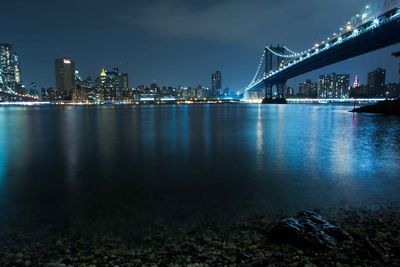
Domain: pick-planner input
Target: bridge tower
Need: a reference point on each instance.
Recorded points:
(280, 61)
(273, 62)
(268, 69)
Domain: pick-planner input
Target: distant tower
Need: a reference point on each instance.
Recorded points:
(65, 77)
(216, 81)
(125, 81)
(356, 83)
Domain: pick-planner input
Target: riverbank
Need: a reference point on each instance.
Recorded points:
(387, 107)
(375, 241)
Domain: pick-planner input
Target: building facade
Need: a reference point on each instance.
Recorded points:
(65, 77)
(10, 74)
(113, 85)
(216, 84)
(334, 86)
(308, 89)
(376, 83)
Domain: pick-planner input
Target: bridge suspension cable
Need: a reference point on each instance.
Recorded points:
(292, 52)
(279, 54)
(258, 69)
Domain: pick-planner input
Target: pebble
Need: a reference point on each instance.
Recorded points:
(232, 244)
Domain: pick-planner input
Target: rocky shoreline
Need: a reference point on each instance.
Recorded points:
(387, 107)
(361, 237)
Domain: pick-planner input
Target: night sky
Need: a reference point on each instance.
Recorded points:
(175, 42)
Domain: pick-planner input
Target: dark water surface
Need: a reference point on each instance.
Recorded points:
(103, 166)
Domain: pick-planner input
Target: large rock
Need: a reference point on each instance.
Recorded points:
(387, 107)
(308, 230)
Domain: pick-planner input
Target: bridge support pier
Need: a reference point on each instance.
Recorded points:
(268, 90)
(280, 97)
(281, 90)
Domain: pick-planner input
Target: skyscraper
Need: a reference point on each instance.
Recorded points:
(125, 81)
(113, 84)
(126, 94)
(10, 74)
(216, 81)
(65, 77)
(308, 89)
(334, 85)
(356, 83)
(376, 82)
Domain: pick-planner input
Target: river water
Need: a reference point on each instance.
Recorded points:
(112, 166)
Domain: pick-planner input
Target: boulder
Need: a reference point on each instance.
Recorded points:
(308, 230)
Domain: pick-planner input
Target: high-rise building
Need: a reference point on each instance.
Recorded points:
(10, 74)
(356, 83)
(308, 89)
(334, 86)
(216, 81)
(397, 54)
(65, 77)
(126, 93)
(376, 82)
(33, 90)
(125, 81)
(289, 91)
(113, 84)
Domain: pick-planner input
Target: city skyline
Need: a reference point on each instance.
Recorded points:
(163, 58)
(112, 85)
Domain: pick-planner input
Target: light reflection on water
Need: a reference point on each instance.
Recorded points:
(89, 165)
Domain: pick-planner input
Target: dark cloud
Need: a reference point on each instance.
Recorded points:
(21, 4)
(244, 22)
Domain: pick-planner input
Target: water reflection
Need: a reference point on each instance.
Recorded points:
(260, 139)
(103, 165)
(3, 147)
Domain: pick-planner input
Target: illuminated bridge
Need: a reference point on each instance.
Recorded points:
(377, 26)
(8, 95)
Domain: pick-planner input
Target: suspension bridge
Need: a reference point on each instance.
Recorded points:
(7, 94)
(375, 27)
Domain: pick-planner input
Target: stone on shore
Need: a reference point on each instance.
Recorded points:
(308, 230)
(387, 107)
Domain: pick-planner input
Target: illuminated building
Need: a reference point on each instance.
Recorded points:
(308, 89)
(376, 83)
(113, 85)
(10, 74)
(65, 77)
(33, 90)
(356, 83)
(216, 81)
(84, 90)
(334, 86)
